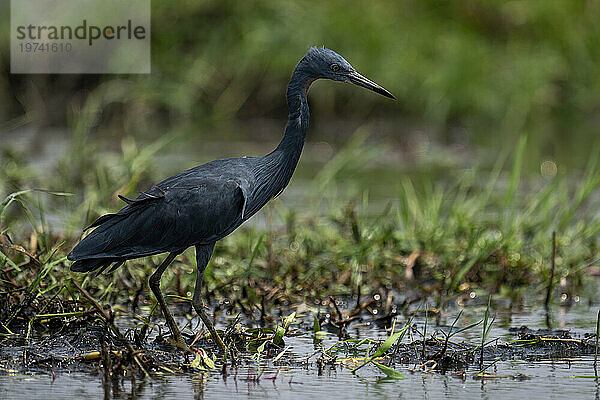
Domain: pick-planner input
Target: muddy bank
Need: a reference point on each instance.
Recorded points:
(83, 340)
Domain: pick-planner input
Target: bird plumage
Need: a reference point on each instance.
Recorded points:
(206, 203)
(197, 206)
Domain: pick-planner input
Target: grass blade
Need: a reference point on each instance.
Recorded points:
(390, 372)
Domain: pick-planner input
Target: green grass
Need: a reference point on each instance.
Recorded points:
(476, 229)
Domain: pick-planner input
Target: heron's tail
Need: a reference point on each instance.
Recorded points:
(91, 264)
(88, 254)
(129, 233)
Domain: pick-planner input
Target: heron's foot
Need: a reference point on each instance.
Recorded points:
(180, 342)
(176, 337)
(199, 306)
(215, 336)
(217, 339)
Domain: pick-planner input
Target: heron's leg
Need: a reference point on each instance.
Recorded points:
(155, 287)
(203, 254)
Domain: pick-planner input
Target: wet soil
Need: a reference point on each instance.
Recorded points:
(86, 343)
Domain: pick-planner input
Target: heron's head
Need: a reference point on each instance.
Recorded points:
(326, 63)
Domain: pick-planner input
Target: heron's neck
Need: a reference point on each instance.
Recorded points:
(274, 171)
(299, 115)
(283, 160)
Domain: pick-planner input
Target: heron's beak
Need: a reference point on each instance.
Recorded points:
(357, 79)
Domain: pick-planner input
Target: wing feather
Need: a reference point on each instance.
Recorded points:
(183, 216)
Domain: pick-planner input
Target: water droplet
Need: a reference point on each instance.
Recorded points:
(548, 169)
(563, 297)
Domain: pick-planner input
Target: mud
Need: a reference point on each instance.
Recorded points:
(84, 343)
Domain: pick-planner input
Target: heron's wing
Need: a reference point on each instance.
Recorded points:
(234, 172)
(152, 194)
(167, 218)
(245, 189)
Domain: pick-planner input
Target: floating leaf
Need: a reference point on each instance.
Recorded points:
(320, 335)
(203, 361)
(385, 346)
(390, 372)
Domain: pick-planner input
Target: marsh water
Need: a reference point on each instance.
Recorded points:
(297, 375)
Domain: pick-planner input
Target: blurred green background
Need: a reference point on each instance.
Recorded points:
(480, 71)
(490, 147)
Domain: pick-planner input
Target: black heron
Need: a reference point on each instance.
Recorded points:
(204, 204)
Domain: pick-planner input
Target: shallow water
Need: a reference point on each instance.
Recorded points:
(291, 378)
(549, 380)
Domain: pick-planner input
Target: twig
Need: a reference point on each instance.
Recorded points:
(552, 261)
(106, 366)
(425, 330)
(337, 309)
(20, 249)
(597, 334)
(360, 307)
(109, 321)
(427, 366)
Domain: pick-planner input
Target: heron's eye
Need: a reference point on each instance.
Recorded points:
(335, 67)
